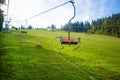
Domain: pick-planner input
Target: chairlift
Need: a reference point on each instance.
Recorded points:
(69, 40)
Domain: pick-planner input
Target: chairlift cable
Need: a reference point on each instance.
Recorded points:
(48, 10)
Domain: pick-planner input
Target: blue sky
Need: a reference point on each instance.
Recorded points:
(93, 9)
(87, 10)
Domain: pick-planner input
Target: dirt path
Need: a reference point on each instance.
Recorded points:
(77, 67)
(74, 65)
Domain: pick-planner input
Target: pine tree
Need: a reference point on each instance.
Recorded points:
(1, 14)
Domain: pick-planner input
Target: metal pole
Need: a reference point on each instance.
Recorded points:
(26, 23)
(8, 7)
(7, 21)
(69, 23)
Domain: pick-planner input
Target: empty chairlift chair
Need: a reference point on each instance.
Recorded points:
(69, 40)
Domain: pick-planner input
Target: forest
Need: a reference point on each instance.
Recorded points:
(107, 26)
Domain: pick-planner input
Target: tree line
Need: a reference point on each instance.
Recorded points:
(108, 26)
(77, 26)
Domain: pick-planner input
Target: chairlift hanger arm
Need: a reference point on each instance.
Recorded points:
(74, 11)
(69, 23)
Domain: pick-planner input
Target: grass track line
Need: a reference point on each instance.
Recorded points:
(77, 67)
(74, 65)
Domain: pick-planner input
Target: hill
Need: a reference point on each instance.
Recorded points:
(37, 55)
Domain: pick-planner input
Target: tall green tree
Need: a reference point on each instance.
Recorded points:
(1, 19)
(53, 27)
(118, 27)
(93, 27)
(1, 14)
(30, 27)
(87, 26)
(2, 1)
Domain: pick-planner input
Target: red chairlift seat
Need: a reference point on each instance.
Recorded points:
(68, 41)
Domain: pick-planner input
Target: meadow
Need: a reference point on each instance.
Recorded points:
(37, 55)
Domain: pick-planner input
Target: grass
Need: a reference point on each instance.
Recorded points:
(37, 55)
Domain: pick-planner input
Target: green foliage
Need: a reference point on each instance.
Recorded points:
(108, 26)
(2, 1)
(87, 26)
(30, 27)
(52, 27)
(75, 27)
(22, 27)
(118, 27)
(1, 15)
(93, 29)
(1, 19)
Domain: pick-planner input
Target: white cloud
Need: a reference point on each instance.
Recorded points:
(87, 10)
(22, 9)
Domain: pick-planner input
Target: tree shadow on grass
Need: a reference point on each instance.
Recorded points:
(35, 62)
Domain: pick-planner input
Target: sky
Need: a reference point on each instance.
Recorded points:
(86, 10)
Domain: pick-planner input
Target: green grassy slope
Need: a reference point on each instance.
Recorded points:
(37, 55)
